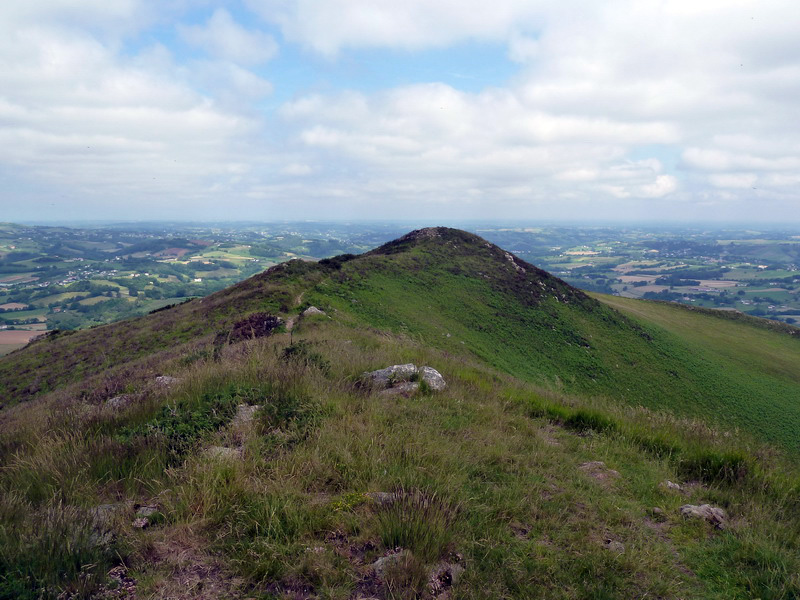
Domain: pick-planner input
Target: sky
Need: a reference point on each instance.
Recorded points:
(679, 110)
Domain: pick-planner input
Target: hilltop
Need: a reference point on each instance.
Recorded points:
(540, 469)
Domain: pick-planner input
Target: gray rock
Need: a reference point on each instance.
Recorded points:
(672, 486)
(380, 498)
(244, 414)
(380, 565)
(400, 376)
(166, 380)
(312, 310)
(444, 576)
(146, 511)
(614, 546)
(223, 453)
(118, 402)
(140, 522)
(714, 515)
(404, 388)
(433, 378)
(390, 375)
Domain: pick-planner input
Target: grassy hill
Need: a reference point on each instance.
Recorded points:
(539, 471)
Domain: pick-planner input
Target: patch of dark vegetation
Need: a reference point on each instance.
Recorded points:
(714, 466)
(168, 306)
(336, 262)
(178, 427)
(256, 325)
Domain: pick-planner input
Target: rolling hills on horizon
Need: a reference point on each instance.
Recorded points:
(537, 472)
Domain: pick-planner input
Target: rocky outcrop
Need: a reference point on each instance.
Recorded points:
(313, 310)
(405, 379)
(714, 515)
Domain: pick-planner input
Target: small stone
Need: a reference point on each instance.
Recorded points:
(141, 522)
(312, 310)
(614, 546)
(223, 453)
(244, 414)
(380, 498)
(146, 511)
(714, 515)
(672, 486)
(379, 566)
(166, 380)
(120, 401)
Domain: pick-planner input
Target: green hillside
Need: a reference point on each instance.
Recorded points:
(539, 471)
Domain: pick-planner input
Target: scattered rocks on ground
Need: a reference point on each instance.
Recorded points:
(312, 310)
(444, 576)
(714, 515)
(598, 470)
(144, 516)
(123, 587)
(166, 380)
(672, 486)
(403, 376)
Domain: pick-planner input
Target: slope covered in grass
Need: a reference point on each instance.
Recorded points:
(753, 366)
(454, 291)
(491, 475)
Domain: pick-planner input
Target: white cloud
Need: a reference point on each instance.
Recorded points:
(223, 38)
(330, 25)
(606, 96)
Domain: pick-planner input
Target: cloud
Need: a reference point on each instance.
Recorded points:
(223, 38)
(327, 26)
(619, 108)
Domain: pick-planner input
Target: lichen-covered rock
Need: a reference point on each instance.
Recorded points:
(402, 378)
(312, 310)
(166, 380)
(433, 378)
(672, 486)
(714, 515)
(389, 376)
